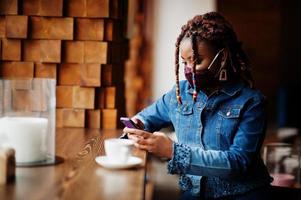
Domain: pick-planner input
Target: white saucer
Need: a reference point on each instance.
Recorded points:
(105, 162)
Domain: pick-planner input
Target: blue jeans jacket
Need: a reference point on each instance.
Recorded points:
(219, 138)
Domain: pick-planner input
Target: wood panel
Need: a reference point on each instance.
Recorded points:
(88, 8)
(66, 117)
(93, 118)
(16, 26)
(91, 75)
(59, 118)
(96, 52)
(107, 98)
(111, 74)
(45, 70)
(95, 27)
(2, 26)
(42, 51)
(98, 8)
(76, 8)
(70, 74)
(11, 49)
(73, 52)
(80, 74)
(109, 118)
(73, 118)
(51, 28)
(31, 50)
(75, 97)
(83, 97)
(50, 51)
(113, 30)
(8, 7)
(64, 96)
(17, 69)
(42, 7)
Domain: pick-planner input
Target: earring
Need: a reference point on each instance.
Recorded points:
(223, 75)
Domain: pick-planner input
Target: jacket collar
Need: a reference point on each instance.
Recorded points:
(232, 88)
(229, 88)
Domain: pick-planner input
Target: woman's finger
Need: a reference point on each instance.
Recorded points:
(144, 147)
(148, 141)
(134, 137)
(141, 133)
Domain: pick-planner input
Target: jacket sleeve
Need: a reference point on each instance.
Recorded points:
(236, 160)
(157, 115)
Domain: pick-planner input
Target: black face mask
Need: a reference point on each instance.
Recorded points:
(203, 78)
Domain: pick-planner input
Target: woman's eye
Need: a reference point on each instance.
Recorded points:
(184, 62)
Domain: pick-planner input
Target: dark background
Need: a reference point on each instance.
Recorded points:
(270, 32)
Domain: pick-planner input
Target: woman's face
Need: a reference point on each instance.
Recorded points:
(205, 52)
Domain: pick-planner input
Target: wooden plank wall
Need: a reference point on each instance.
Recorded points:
(80, 43)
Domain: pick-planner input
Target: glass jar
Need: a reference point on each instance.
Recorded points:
(27, 119)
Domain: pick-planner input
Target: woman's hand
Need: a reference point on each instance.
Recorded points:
(157, 143)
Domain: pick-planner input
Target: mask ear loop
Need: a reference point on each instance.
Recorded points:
(214, 59)
(222, 72)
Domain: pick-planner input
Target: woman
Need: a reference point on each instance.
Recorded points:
(219, 118)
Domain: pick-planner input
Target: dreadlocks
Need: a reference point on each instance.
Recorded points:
(217, 31)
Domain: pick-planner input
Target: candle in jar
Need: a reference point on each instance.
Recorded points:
(27, 135)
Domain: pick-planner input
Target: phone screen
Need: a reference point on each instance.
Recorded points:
(128, 122)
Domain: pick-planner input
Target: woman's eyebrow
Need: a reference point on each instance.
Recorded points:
(188, 58)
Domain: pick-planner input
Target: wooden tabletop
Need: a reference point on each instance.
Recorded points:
(78, 176)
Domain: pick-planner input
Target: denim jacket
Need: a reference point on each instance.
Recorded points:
(219, 138)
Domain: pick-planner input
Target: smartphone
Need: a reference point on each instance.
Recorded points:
(129, 123)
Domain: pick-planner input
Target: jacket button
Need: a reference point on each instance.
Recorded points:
(228, 113)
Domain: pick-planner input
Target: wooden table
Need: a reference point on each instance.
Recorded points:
(79, 176)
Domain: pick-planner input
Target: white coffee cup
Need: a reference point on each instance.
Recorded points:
(118, 150)
(27, 135)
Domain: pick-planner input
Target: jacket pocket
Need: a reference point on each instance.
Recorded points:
(229, 118)
(230, 112)
(184, 116)
(185, 109)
